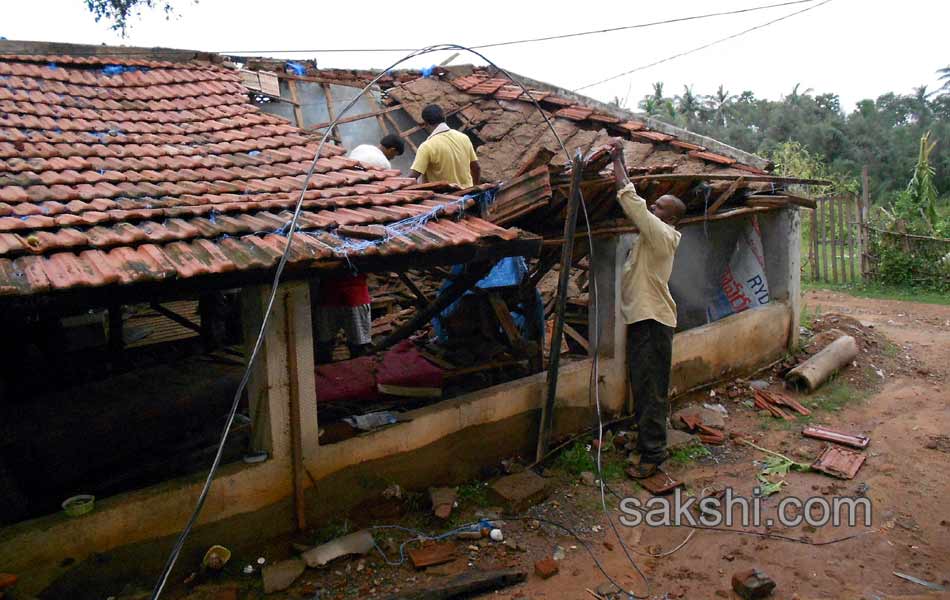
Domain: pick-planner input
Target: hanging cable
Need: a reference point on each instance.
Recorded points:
(547, 38)
(703, 47)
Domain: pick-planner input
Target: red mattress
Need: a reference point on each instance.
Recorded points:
(357, 380)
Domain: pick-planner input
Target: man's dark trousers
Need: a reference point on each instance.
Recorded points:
(649, 360)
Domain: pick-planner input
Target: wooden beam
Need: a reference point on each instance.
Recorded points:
(577, 337)
(719, 177)
(465, 585)
(447, 115)
(170, 314)
(298, 112)
(401, 134)
(421, 299)
(296, 434)
(723, 197)
(570, 225)
(503, 314)
(456, 290)
(360, 117)
(331, 110)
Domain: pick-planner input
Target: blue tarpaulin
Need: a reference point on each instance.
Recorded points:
(508, 272)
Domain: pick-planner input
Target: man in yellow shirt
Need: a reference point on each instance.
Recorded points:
(649, 311)
(447, 155)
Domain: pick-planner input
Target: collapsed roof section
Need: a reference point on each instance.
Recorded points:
(119, 171)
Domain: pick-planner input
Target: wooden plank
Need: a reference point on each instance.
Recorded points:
(503, 314)
(421, 300)
(296, 434)
(402, 134)
(833, 227)
(813, 245)
(447, 115)
(577, 337)
(852, 205)
(360, 117)
(718, 177)
(862, 219)
(820, 236)
(723, 197)
(298, 112)
(465, 585)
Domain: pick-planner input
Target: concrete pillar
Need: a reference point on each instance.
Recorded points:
(284, 367)
(781, 241)
(794, 276)
(609, 257)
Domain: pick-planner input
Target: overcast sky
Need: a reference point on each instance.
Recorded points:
(855, 48)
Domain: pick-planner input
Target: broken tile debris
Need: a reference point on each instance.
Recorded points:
(432, 554)
(838, 462)
(752, 584)
(827, 434)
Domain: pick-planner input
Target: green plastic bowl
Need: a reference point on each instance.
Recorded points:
(79, 505)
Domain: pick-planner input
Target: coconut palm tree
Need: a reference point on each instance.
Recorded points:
(944, 74)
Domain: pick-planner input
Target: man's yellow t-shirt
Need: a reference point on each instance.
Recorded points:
(446, 156)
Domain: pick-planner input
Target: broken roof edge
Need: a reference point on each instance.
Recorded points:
(683, 134)
(40, 48)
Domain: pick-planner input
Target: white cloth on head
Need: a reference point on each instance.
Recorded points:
(371, 155)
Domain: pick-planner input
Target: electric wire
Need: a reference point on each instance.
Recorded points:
(703, 47)
(547, 38)
(291, 230)
(146, 53)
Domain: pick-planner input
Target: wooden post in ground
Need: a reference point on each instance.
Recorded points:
(822, 246)
(813, 244)
(862, 221)
(554, 360)
(832, 225)
(852, 233)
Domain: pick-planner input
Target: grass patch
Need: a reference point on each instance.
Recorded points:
(474, 494)
(687, 454)
(833, 396)
(881, 292)
(577, 458)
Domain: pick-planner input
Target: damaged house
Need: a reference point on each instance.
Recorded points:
(144, 203)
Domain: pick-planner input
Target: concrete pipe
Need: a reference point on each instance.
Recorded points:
(817, 369)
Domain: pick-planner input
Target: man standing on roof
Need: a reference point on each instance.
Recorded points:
(447, 155)
(649, 311)
(379, 156)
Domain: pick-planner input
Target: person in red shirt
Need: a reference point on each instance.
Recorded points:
(341, 300)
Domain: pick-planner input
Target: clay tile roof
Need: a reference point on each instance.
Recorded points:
(488, 86)
(712, 157)
(574, 113)
(117, 171)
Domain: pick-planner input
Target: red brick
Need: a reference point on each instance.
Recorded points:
(546, 568)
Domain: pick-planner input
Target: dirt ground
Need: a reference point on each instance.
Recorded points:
(906, 481)
(895, 393)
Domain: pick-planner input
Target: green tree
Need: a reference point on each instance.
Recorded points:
(118, 12)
